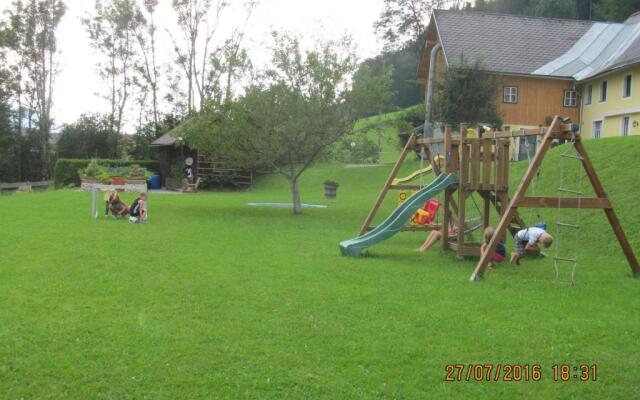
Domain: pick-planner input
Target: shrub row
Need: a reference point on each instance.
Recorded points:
(65, 172)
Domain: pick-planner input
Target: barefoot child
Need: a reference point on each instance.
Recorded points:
(500, 253)
(528, 239)
(434, 236)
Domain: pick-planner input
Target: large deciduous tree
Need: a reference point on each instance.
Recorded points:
(31, 36)
(90, 136)
(198, 48)
(287, 121)
(112, 29)
(148, 69)
(403, 22)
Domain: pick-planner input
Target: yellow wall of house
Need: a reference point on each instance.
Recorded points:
(615, 108)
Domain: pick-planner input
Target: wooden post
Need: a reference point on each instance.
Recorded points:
(462, 186)
(448, 165)
(486, 212)
(486, 164)
(446, 217)
(394, 172)
(475, 163)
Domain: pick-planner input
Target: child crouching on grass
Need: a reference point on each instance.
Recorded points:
(117, 207)
(527, 240)
(499, 254)
(138, 209)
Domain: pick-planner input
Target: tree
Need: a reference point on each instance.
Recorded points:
(90, 136)
(615, 10)
(288, 120)
(404, 22)
(571, 9)
(404, 64)
(148, 69)
(375, 87)
(465, 94)
(34, 36)
(198, 22)
(112, 30)
(7, 139)
(556, 9)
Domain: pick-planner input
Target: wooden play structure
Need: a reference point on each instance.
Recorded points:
(483, 165)
(558, 131)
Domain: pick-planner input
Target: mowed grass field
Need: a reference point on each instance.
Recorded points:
(215, 299)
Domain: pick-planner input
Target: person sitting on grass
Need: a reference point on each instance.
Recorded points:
(527, 240)
(434, 236)
(138, 210)
(499, 254)
(117, 207)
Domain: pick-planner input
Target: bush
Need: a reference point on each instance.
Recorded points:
(66, 170)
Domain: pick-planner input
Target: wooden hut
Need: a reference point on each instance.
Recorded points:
(173, 153)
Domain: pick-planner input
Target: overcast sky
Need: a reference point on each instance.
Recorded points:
(78, 83)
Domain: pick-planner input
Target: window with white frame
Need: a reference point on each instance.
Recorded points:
(626, 87)
(588, 97)
(597, 129)
(603, 92)
(570, 98)
(625, 126)
(510, 94)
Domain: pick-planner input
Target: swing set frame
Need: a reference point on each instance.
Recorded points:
(558, 131)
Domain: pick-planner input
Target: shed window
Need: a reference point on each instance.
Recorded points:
(570, 98)
(510, 94)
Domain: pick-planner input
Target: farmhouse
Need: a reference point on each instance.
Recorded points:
(586, 70)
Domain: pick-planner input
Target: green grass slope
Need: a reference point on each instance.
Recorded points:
(215, 299)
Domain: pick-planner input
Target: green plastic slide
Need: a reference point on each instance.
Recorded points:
(398, 218)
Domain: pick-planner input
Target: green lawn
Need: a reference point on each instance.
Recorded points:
(215, 299)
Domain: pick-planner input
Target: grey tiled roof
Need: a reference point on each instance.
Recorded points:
(506, 43)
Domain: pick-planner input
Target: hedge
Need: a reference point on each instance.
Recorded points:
(65, 172)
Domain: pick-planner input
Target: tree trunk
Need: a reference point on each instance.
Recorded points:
(295, 193)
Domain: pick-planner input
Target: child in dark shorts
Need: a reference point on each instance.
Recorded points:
(499, 255)
(528, 239)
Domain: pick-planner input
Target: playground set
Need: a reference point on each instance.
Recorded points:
(481, 165)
